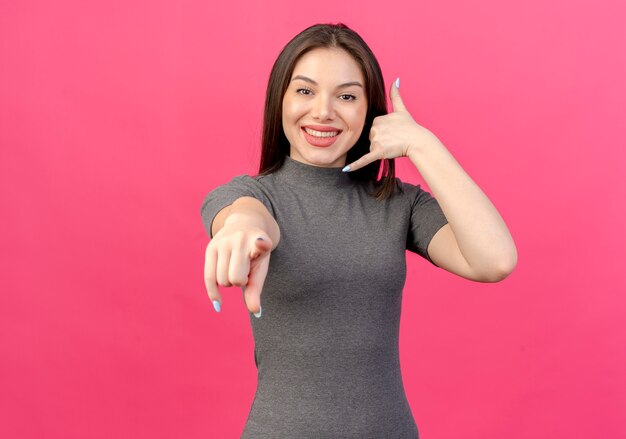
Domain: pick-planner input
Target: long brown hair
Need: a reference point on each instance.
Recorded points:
(275, 145)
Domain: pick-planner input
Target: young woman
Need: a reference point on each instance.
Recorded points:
(323, 238)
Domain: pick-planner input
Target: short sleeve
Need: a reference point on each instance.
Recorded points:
(226, 194)
(426, 219)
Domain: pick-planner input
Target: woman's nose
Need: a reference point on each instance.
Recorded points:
(323, 108)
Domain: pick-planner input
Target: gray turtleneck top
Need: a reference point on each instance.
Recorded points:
(326, 345)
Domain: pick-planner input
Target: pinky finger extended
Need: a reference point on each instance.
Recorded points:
(210, 280)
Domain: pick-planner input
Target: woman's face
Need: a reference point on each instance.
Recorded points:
(324, 107)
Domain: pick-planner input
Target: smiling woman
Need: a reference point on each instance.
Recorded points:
(326, 249)
(324, 107)
(363, 86)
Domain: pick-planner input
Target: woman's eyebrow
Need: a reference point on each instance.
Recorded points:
(309, 80)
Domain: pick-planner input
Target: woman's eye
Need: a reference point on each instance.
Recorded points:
(343, 97)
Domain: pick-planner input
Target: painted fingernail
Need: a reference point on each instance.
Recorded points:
(398, 82)
(346, 169)
(258, 314)
(217, 306)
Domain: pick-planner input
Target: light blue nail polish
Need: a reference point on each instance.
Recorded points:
(217, 306)
(346, 169)
(258, 314)
(398, 83)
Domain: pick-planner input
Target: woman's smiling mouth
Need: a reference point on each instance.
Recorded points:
(321, 136)
(321, 133)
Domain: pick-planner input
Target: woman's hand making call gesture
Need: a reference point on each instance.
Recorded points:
(392, 135)
(476, 243)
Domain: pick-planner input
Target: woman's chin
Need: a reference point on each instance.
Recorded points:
(322, 158)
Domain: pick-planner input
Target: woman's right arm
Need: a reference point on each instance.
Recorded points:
(253, 213)
(244, 234)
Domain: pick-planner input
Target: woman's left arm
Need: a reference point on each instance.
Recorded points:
(476, 243)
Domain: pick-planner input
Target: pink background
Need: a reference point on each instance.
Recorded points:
(117, 117)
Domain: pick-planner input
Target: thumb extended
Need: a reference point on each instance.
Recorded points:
(394, 96)
(262, 244)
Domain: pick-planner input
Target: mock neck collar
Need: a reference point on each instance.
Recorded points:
(295, 173)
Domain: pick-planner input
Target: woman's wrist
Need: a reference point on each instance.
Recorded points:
(421, 142)
(250, 213)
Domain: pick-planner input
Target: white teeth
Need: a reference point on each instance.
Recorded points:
(321, 133)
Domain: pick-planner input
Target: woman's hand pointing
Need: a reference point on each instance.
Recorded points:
(393, 135)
